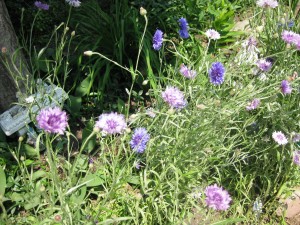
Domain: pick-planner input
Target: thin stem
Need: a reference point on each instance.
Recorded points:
(141, 44)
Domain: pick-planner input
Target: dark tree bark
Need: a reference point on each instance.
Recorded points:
(12, 64)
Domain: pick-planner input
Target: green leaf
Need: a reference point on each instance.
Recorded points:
(29, 151)
(74, 104)
(86, 133)
(94, 179)
(229, 221)
(2, 181)
(38, 174)
(134, 180)
(16, 197)
(84, 87)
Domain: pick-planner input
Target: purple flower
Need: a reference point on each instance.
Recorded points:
(174, 97)
(285, 87)
(296, 157)
(52, 120)
(253, 104)
(75, 3)
(216, 73)
(279, 137)
(296, 137)
(267, 3)
(186, 72)
(157, 39)
(212, 34)
(217, 198)
(264, 65)
(111, 123)
(184, 27)
(139, 140)
(42, 6)
(288, 36)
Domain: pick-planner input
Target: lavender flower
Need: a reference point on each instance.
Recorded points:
(212, 34)
(139, 140)
(184, 26)
(74, 3)
(285, 87)
(186, 72)
(111, 123)
(279, 137)
(174, 97)
(267, 3)
(253, 104)
(157, 39)
(264, 65)
(296, 157)
(217, 198)
(52, 120)
(288, 36)
(296, 137)
(42, 6)
(216, 73)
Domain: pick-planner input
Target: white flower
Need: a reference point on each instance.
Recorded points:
(279, 137)
(29, 100)
(212, 34)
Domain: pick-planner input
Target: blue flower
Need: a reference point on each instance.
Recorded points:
(216, 73)
(139, 139)
(184, 26)
(157, 39)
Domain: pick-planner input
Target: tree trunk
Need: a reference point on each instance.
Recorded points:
(13, 69)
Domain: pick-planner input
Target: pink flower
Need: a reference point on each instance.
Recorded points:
(296, 157)
(217, 198)
(111, 123)
(253, 104)
(264, 65)
(186, 72)
(267, 3)
(212, 34)
(279, 137)
(174, 97)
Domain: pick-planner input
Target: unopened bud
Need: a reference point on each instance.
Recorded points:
(42, 188)
(128, 130)
(22, 158)
(21, 138)
(143, 11)
(67, 28)
(145, 82)
(73, 33)
(4, 50)
(96, 129)
(259, 28)
(88, 53)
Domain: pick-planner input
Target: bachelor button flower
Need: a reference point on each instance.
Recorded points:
(52, 120)
(285, 87)
(184, 26)
(288, 36)
(279, 137)
(186, 72)
(217, 198)
(216, 73)
(75, 3)
(111, 123)
(267, 3)
(41, 5)
(296, 137)
(174, 97)
(157, 39)
(264, 65)
(212, 34)
(139, 140)
(296, 157)
(253, 104)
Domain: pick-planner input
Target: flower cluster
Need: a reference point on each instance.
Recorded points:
(291, 37)
(264, 65)
(52, 120)
(279, 137)
(174, 97)
(249, 52)
(74, 3)
(253, 104)
(217, 198)
(212, 34)
(216, 73)
(111, 123)
(184, 26)
(296, 157)
(157, 39)
(285, 87)
(267, 3)
(139, 140)
(186, 72)
(42, 6)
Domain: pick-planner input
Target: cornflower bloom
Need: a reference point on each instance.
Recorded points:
(174, 97)
(52, 120)
(264, 65)
(139, 140)
(40, 5)
(296, 137)
(267, 3)
(212, 34)
(279, 137)
(253, 104)
(75, 3)
(216, 73)
(296, 157)
(184, 26)
(285, 87)
(157, 39)
(217, 198)
(186, 72)
(288, 36)
(111, 123)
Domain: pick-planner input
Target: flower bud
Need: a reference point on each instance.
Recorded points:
(88, 53)
(145, 82)
(143, 11)
(73, 33)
